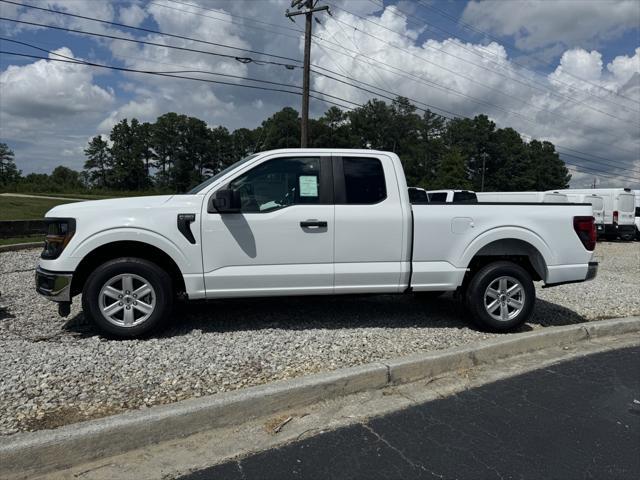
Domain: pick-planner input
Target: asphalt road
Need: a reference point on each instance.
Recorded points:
(575, 420)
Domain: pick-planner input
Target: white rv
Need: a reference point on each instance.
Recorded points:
(597, 203)
(522, 197)
(619, 210)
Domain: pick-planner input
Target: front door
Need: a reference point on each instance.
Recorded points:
(281, 243)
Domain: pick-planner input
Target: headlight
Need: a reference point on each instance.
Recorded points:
(59, 233)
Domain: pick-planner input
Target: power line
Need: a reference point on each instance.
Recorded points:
(148, 30)
(171, 75)
(544, 88)
(154, 44)
(466, 77)
(547, 62)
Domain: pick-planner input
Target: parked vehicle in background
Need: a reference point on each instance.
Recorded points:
(307, 222)
(597, 202)
(619, 211)
(418, 195)
(522, 197)
(452, 196)
(637, 209)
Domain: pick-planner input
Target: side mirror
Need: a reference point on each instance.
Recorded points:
(225, 201)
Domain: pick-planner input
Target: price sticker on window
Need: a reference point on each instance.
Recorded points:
(308, 185)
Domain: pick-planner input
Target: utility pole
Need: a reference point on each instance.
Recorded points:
(310, 7)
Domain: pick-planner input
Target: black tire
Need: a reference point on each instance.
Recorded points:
(162, 295)
(627, 237)
(477, 288)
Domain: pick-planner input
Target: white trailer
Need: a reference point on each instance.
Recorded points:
(619, 210)
(597, 203)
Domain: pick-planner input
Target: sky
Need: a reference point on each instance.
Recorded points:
(567, 71)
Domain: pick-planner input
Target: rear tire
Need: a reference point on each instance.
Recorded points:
(501, 296)
(128, 297)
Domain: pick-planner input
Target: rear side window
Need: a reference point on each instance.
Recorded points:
(625, 203)
(440, 197)
(596, 203)
(465, 197)
(364, 180)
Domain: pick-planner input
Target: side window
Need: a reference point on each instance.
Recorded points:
(364, 180)
(279, 183)
(440, 197)
(464, 197)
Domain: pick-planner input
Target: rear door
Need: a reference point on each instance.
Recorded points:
(368, 224)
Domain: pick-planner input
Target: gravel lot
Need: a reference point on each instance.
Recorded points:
(56, 371)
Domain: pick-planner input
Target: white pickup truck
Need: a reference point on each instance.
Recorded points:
(307, 222)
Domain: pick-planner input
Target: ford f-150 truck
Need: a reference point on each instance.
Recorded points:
(307, 222)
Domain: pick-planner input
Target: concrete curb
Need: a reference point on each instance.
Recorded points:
(20, 246)
(33, 453)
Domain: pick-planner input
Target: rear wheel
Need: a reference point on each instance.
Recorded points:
(501, 296)
(128, 297)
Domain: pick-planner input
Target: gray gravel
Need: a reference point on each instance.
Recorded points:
(56, 371)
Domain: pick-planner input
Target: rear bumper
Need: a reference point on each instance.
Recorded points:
(54, 286)
(592, 271)
(615, 229)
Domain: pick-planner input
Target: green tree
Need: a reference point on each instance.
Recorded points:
(99, 162)
(545, 170)
(129, 150)
(9, 173)
(452, 173)
(281, 130)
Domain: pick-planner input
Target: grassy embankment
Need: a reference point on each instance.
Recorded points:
(22, 208)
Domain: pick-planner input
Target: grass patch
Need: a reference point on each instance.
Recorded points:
(14, 240)
(23, 208)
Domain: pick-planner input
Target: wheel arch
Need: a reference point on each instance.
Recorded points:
(521, 251)
(126, 248)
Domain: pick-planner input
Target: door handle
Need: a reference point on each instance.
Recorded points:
(313, 223)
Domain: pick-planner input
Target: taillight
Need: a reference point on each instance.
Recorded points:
(615, 216)
(585, 227)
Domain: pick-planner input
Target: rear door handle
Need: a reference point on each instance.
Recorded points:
(313, 223)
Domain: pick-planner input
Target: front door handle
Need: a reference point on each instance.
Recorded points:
(313, 223)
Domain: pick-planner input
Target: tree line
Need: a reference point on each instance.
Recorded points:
(177, 151)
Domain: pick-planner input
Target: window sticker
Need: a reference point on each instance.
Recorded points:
(308, 185)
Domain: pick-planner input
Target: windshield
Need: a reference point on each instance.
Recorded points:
(209, 181)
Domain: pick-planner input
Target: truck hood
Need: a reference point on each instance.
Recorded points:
(102, 207)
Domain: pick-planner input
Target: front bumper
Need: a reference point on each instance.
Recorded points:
(55, 286)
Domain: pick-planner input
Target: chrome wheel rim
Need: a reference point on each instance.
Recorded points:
(127, 300)
(504, 298)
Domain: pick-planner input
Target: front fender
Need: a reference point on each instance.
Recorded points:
(69, 260)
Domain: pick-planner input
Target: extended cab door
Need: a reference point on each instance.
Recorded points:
(281, 243)
(371, 226)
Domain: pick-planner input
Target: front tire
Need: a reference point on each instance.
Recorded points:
(128, 297)
(501, 296)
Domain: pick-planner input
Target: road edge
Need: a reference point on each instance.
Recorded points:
(31, 453)
(21, 246)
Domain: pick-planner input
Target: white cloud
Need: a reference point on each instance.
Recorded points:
(132, 15)
(544, 23)
(46, 89)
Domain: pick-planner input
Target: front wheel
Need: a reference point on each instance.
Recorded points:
(501, 296)
(128, 297)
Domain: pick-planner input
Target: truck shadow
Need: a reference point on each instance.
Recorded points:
(339, 312)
